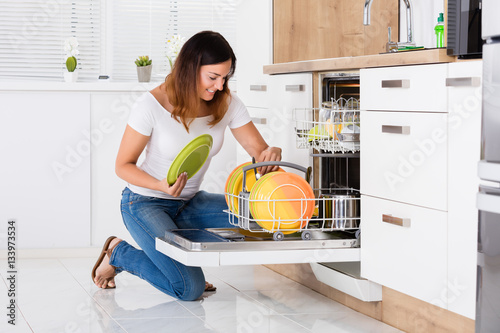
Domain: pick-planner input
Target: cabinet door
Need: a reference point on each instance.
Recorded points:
(109, 116)
(404, 157)
(410, 258)
(254, 51)
(45, 174)
(289, 91)
(404, 88)
(464, 127)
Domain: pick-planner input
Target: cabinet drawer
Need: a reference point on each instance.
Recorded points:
(404, 157)
(404, 88)
(410, 259)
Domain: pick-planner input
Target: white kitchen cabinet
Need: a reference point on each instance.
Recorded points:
(275, 122)
(45, 174)
(445, 135)
(109, 116)
(410, 258)
(404, 157)
(464, 87)
(254, 40)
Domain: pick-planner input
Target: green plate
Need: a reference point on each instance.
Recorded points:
(191, 158)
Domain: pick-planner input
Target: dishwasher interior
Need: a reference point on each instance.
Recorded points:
(337, 159)
(331, 132)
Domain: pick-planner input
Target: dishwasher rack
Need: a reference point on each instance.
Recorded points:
(334, 128)
(334, 210)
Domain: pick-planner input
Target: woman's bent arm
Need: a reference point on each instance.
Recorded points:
(255, 145)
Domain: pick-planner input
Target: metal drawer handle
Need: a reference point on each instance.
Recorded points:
(295, 87)
(402, 222)
(257, 87)
(396, 129)
(395, 83)
(262, 121)
(463, 81)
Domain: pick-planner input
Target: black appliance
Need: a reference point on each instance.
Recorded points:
(464, 28)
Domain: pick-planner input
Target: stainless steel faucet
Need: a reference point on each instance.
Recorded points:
(366, 12)
(409, 21)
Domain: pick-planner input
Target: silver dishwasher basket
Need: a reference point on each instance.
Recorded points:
(334, 128)
(334, 209)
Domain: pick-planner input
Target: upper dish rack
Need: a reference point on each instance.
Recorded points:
(334, 128)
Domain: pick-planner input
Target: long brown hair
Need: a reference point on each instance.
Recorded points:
(204, 48)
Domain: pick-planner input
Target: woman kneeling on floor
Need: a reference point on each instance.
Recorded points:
(193, 100)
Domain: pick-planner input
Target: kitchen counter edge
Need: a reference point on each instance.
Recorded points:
(428, 56)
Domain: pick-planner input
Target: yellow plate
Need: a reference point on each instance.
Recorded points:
(228, 189)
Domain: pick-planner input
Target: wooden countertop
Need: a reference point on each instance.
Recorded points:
(426, 56)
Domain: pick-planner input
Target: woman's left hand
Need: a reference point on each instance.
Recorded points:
(267, 155)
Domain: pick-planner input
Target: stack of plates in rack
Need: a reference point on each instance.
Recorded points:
(234, 185)
(278, 200)
(281, 201)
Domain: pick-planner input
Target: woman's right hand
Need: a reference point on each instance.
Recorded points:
(175, 189)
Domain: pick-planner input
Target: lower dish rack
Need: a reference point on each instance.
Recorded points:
(335, 210)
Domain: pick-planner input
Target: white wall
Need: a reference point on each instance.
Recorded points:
(425, 14)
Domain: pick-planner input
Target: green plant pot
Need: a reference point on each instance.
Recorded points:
(144, 73)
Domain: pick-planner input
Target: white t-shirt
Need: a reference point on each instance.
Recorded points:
(168, 137)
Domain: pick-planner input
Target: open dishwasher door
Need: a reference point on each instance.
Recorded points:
(330, 236)
(225, 247)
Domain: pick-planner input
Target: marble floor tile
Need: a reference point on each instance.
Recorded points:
(255, 323)
(57, 295)
(341, 322)
(164, 325)
(297, 300)
(248, 277)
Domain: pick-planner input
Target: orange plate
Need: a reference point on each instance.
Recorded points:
(286, 197)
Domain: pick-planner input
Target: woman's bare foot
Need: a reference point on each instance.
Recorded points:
(105, 273)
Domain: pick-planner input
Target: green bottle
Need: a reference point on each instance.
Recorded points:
(439, 29)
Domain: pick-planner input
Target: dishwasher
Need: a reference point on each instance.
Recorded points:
(331, 234)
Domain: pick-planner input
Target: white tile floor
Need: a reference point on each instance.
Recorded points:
(57, 295)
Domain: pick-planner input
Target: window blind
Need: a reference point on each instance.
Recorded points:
(142, 28)
(32, 35)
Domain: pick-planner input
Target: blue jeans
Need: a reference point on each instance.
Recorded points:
(147, 218)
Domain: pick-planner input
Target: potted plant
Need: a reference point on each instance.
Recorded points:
(144, 68)
(71, 48)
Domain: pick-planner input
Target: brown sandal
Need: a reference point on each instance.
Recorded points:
(105, 251)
